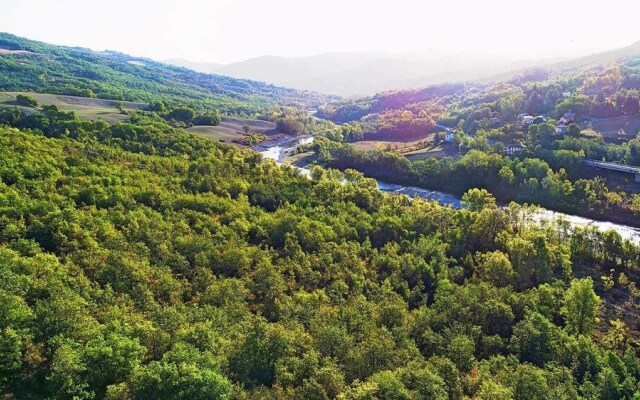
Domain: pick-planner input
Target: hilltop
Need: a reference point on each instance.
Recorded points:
(366, 73)
(27, 65)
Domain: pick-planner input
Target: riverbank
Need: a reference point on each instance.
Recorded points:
(626, 219)
(623, 228)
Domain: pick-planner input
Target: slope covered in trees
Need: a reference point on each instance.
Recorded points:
(41, 67)
(600, 86)
(523, 139)
(140, 262)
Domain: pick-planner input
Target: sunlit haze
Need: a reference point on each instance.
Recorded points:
(233, 30)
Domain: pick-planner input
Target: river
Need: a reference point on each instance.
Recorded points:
(277, 151)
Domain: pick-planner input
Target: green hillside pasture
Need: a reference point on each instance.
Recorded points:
(398, 145)
(231, 130)
(85, 107)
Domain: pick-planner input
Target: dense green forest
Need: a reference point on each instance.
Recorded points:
(138, 261)
(141, 262)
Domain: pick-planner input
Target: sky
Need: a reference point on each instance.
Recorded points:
(227, 31)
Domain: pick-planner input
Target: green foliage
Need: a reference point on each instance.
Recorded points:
(478, 199)
(26, 101)
(182, 114)
(182, 380)
(530, 180)
(581, 306)
(138, 261)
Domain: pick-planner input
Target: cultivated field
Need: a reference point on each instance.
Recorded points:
(393, 145)
(439, 151)
(231, 129)
(85, 107)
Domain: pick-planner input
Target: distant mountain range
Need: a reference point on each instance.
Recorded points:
(363, 74)
(207, 68)
(360, 74)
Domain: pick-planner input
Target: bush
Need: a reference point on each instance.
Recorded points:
(183, 114)
(26, 101)
(208, 119)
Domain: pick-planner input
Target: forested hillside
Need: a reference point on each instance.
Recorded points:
(28, 65)
(140, 262)
(599, 86)
(523, 139)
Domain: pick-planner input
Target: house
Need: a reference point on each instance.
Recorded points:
(514, 148)
(540, 119)
(569, 117)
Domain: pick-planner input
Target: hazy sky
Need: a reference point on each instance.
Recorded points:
(233, 30)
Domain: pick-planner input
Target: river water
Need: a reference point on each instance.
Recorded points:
(277, 151)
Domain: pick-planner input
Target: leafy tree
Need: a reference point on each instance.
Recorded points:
(573, 130)
(461, 350)
(183, 381)
(211, 119)
(478, 199)
(495, 268)
(533, 339)
(183, 114)
(254, 361)
(506, 175)
(158, 106)
(529, 383)
(26, 101)
(581, 306)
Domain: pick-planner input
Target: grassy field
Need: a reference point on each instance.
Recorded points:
(231, 129)
(301, 159)
(85, 107)
(615, 129)
(394, 145)
(433, 151)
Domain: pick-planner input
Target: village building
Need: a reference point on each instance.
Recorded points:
(449, 137)
(568, 118)
(514, 148)
(528, 119)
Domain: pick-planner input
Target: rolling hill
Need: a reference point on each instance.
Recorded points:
(617, 55)
(367, 73)
(359, 74)
(27, 65)
(204, 67)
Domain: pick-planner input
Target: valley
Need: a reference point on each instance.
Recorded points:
(175, 235)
